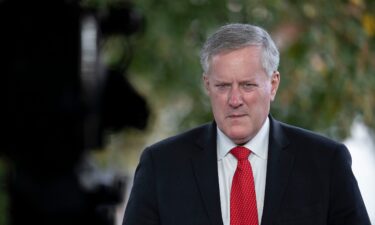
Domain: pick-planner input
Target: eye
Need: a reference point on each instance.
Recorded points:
(222, 86)
(248, 86)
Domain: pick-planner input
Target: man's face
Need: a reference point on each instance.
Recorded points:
(240, 92)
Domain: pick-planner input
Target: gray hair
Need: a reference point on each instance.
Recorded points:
(236, 36)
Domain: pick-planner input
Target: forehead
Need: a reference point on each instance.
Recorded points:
(247, 58)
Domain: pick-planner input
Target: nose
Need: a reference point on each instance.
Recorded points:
(235, 98)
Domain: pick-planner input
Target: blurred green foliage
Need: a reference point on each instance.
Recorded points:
(327, 57)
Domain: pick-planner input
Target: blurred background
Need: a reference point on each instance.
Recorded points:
(327, 76)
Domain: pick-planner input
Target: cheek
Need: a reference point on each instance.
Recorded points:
(258, 102)
(218, 103)
(217, 98)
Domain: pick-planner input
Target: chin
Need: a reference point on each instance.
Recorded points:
(240, 141)
(239, 137)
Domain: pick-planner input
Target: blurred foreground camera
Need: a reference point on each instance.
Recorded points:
(60, 100)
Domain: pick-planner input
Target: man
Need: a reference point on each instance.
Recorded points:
(198, 177)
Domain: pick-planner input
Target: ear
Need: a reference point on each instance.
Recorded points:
(275, 81)
(206, 83)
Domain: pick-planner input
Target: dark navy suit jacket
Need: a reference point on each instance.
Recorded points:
(309, 181)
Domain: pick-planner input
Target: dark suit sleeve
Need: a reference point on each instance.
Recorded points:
(141, 208)
(346, 204)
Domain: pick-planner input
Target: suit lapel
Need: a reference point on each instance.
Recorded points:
(279, 166)
(205, 169)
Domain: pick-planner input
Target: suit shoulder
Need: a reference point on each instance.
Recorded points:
(188, 137)
(307, 136)
(314, 146)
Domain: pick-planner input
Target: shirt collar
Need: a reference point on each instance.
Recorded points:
(258, 144)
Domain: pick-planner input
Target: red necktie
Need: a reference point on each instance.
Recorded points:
(243, 206)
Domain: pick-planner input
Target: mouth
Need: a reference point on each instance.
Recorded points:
(234, 116)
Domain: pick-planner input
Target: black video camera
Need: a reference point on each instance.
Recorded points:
(60, 100)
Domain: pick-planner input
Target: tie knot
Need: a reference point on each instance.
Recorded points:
(240, 152)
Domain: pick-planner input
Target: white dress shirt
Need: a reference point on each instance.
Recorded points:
(227, 165)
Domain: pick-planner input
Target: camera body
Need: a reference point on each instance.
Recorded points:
(60, 100)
